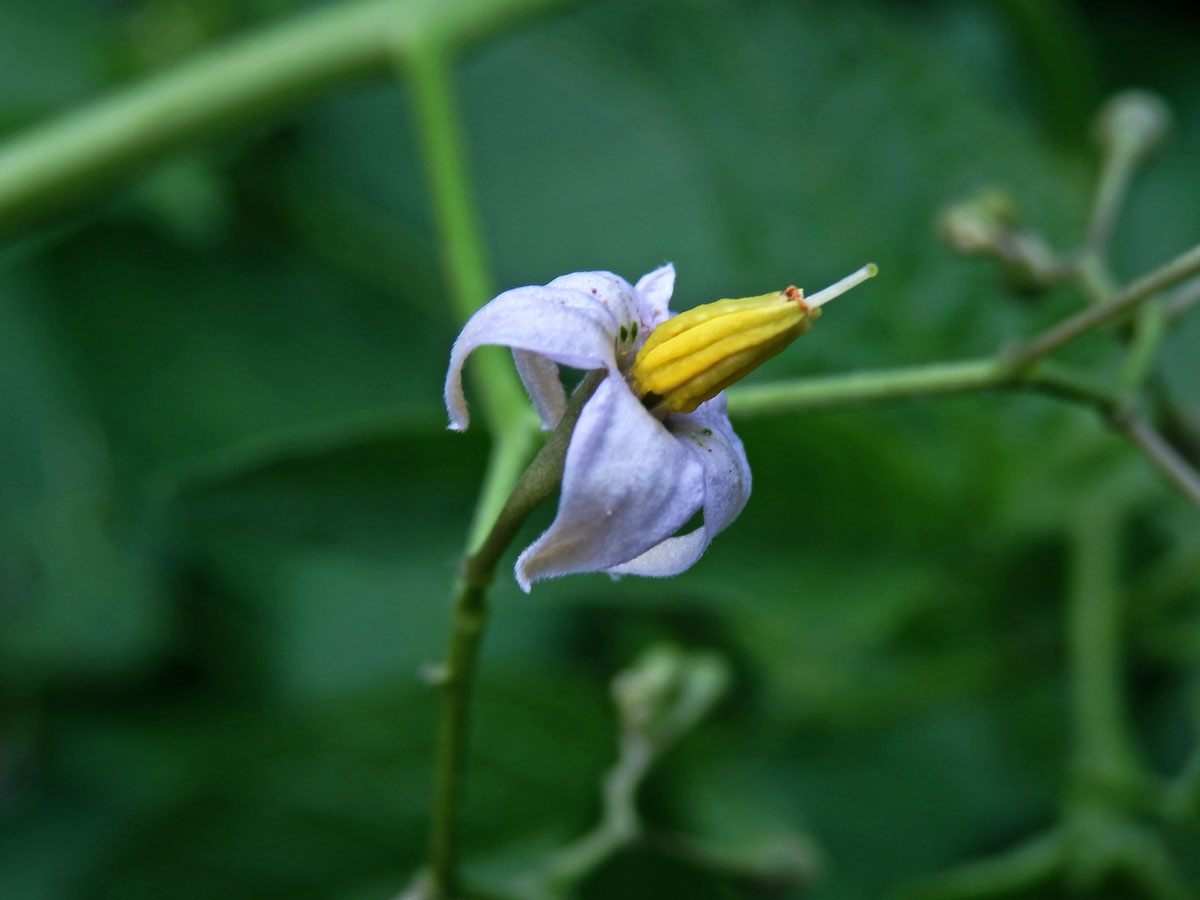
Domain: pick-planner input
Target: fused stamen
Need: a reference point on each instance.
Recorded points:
(694, 356)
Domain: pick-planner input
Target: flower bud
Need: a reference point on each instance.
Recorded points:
(1134, 122)
(697, 354)
(988, 223)
(980, 224)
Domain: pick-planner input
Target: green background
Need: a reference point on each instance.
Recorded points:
(230, 515)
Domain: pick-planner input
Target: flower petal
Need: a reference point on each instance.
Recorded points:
(654, 291)
(611, 292)
(542, 383)
(565, 326)
(709, 435)
(628, 484)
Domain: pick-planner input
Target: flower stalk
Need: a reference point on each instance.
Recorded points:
(469, 620)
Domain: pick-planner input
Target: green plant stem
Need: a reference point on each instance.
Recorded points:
(1145, 340)
(1162, 455)
(512, 425)
(1091, 274)
(1184, 300)
(1116, 173)
(619, 825)
(1104, 758)
(1183, 266)
(240, 82)
(802, 395)
(1144, 337)
(916, 381)
(1018, 870)
(469, 620)
(508, 496)
(429, 69)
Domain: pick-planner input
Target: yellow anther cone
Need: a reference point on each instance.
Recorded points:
(697, 354)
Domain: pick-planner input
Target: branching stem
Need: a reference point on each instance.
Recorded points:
(1183, 266)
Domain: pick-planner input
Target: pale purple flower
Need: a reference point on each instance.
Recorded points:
(632, 478)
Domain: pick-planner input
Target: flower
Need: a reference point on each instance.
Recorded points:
(653, 446)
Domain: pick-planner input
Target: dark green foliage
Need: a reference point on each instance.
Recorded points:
(230, 516)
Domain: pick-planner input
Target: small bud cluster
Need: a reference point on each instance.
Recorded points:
(989, 224)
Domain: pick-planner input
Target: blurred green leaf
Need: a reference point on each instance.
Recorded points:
(231, 515)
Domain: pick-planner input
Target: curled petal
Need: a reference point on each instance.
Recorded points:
(562, 325)
(628, 484)
(654, 291)
(709, 436)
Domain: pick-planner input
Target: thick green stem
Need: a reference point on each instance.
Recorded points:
(456, 679)
(244, 81)
(539, 481)
(1104, 757)
(440, 133)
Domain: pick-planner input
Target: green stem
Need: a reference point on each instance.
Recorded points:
(243, 81)
(619, 825)
(1144, 337)
(1018, 870)
(512, 425)
(1145, 340)
(746, 400)
(916, 381)
(1092, 276)
(1116, 173)
(1162, 456)
(1185, 299)
(539, 481)
(1104, 757)
(456, 679)
(1183, 266)
(440, 134)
